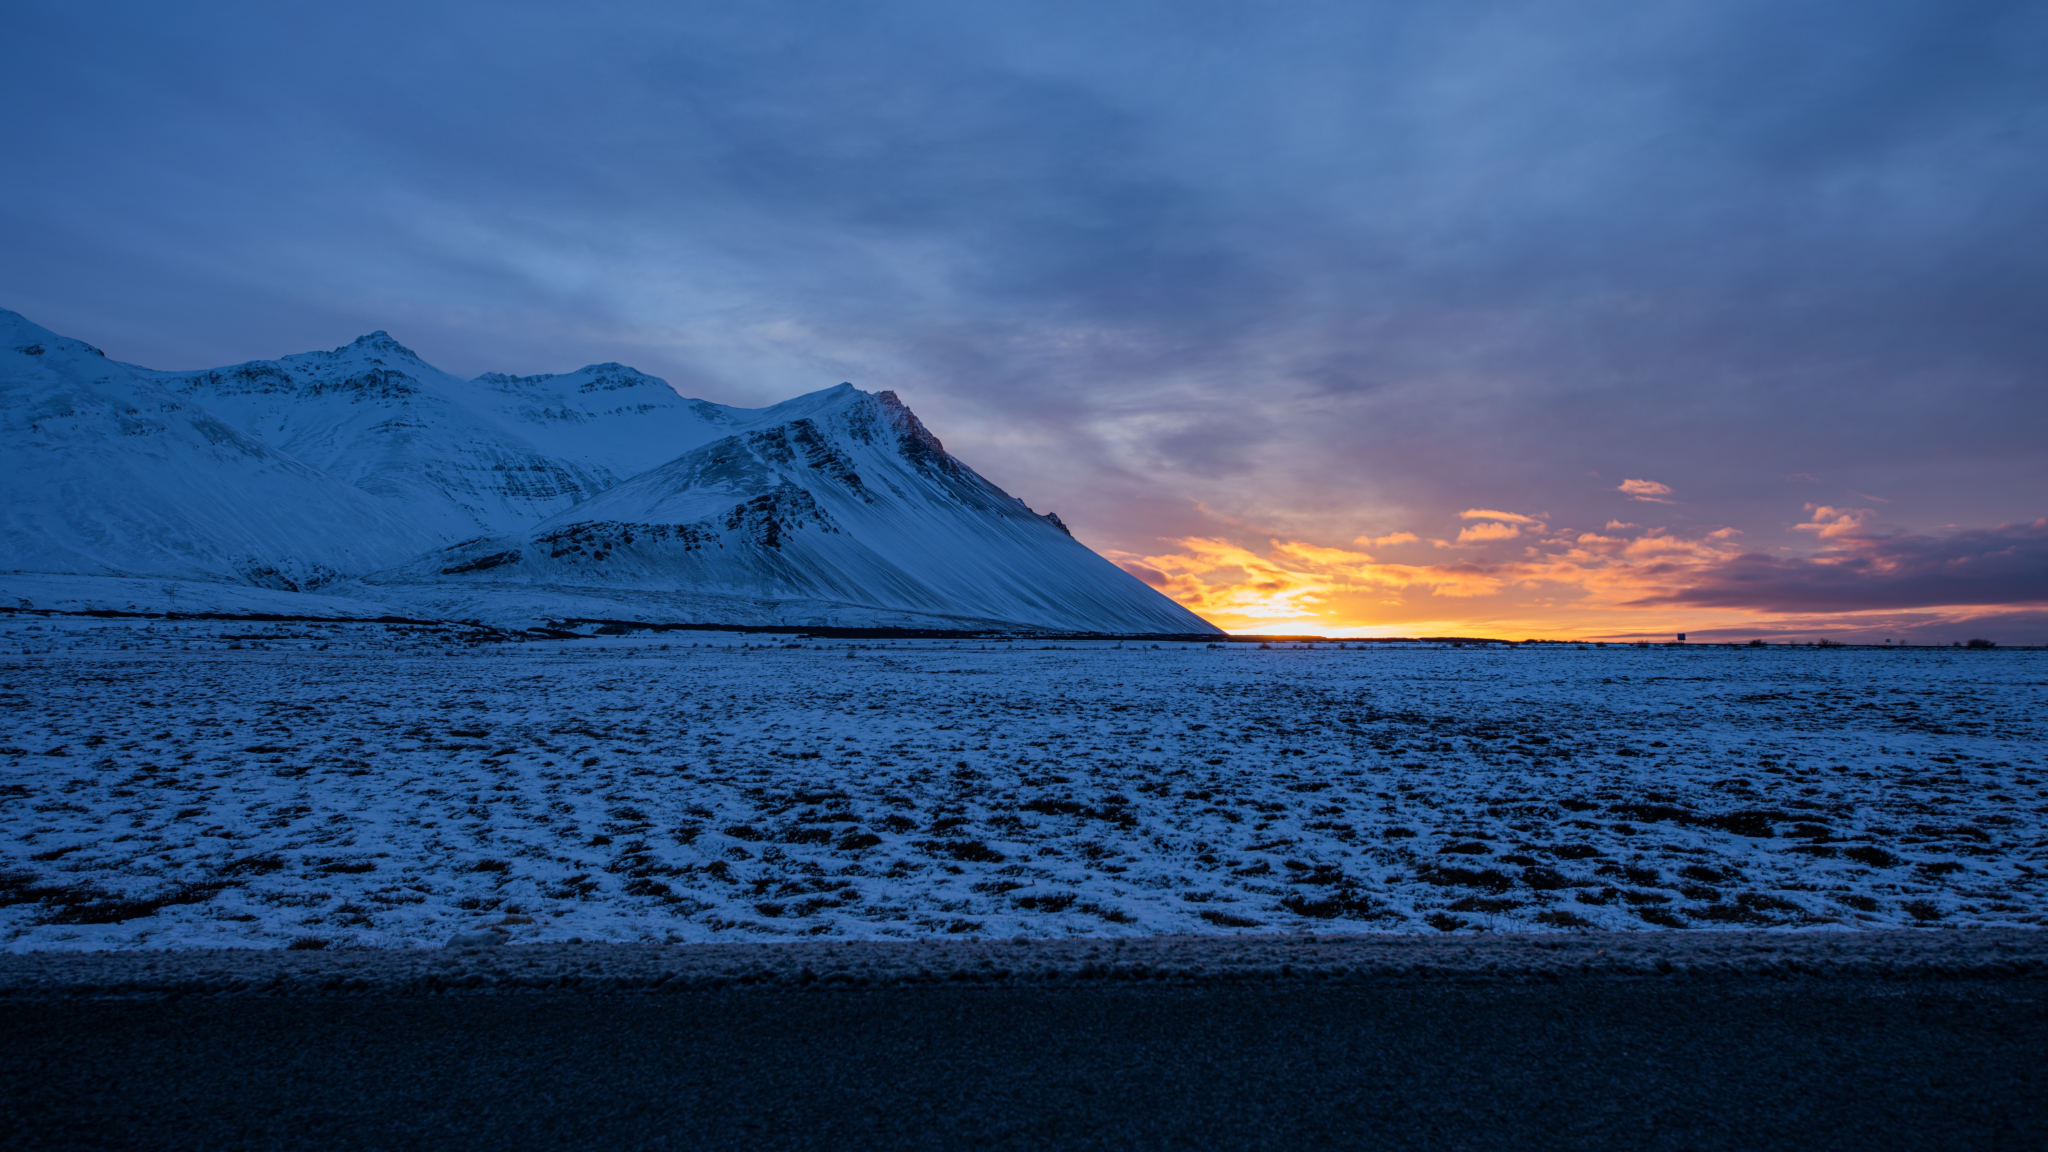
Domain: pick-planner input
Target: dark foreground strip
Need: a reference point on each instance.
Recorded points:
(1797, 1063)
(1657, 1041)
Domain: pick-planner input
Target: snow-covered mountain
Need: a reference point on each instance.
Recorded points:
(109, 473)
(369, 474)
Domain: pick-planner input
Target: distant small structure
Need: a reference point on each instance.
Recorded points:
(1681, 637)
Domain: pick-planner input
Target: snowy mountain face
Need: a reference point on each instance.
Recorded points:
(838, 496)
(109, 473)
(369, 473)
(614, 420)
(462, 457)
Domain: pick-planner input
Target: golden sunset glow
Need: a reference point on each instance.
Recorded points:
(1507, 575)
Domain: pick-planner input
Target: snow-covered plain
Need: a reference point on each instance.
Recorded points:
(208, 783)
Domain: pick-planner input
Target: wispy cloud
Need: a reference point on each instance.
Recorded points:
(1648, 490)
(1864, 569)
(1505, 517)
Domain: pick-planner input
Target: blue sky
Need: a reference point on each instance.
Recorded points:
(1258, 276)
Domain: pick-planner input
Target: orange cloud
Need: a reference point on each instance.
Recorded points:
(1301, 586)
(1489, 531)
(1322, 559)
(1387, 541)
(1296, 582)
(1648, 490)
(1592, 542)
(1488, 514)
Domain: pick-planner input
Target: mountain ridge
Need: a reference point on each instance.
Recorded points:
(368, 473)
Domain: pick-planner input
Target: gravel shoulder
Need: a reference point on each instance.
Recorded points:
(2011, 955)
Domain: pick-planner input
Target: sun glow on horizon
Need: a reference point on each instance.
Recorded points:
(1526, 581)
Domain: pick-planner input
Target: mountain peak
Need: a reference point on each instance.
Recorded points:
(611, 376)
(907, 422)
(380, 341)
(32, 339)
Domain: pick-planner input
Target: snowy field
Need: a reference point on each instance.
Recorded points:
(204, 783)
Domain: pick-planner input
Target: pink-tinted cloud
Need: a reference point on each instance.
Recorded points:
(1649, 490)
(1152, 576)
(1828, 523)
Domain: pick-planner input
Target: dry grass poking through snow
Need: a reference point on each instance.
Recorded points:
(358, 784)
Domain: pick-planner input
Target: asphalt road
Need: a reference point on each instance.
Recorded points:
(1749, 1064)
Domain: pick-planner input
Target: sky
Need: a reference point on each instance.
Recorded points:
(1581, 320)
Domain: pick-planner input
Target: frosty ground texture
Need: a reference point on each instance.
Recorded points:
(209, 784)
